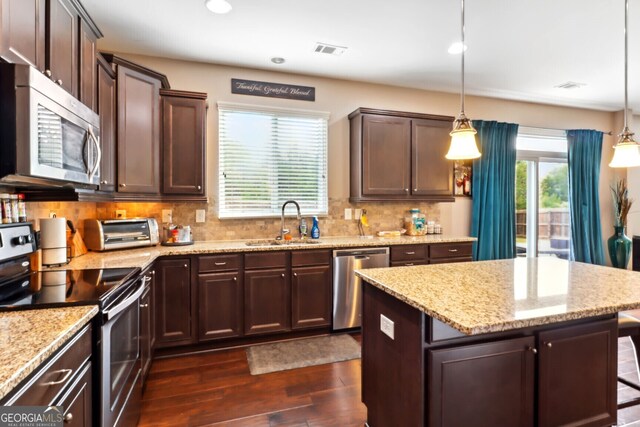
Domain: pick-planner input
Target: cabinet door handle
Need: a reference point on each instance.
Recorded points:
(235, 279)
(415, 189)
(409, 253)
(453, 250)
(282, 275)
(67, 374)
(68, 418)
(220, 263)
(406, 190)
(144, 305)
(549, 345)
(199, 187)
(59, 82)
(47, 73)
(103, 183)
(153, 272)
(186, 266)
(533, 350)
(123, 185)
(295, 274)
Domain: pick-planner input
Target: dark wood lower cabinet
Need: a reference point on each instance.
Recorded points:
(77, 401)
(577, 375)
(266, 301)
(311, 293)
(172, 307)
(482, 385)
(220, 306)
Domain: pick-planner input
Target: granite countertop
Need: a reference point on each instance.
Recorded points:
(29, 337)
(143, 257)
(492, 296)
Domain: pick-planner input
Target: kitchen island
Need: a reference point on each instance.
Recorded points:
(523, 342)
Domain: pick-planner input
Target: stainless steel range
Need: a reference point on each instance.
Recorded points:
(116, 291)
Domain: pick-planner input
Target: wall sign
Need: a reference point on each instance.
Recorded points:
(273, 90)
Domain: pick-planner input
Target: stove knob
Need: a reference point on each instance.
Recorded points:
(19, 241)
(29, 238)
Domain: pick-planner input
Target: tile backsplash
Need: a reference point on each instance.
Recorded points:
(382, 216)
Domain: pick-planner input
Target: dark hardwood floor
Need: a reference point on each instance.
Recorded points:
(216, 389)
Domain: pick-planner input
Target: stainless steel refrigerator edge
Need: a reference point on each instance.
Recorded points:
(347, 288)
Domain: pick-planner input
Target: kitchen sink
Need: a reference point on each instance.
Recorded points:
(273, 242)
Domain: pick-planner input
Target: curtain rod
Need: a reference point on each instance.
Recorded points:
(563, 130)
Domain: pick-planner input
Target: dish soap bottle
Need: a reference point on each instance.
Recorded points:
(315, 230)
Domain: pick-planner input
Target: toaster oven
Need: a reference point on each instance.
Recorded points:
(109, 234)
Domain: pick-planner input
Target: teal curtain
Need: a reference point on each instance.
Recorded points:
(585, 152)
(493, 220)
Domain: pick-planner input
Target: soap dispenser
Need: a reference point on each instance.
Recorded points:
(315, 230)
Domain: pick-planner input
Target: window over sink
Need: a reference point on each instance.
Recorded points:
(269, 155)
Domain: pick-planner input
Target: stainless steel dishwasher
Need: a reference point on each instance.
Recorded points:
(347, 288)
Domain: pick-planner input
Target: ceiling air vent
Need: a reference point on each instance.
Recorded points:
(570, 85)
(329, 49)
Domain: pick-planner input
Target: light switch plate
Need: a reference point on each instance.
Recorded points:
(358, 214)
(200, 215)
(347, 213)
(167, 216)
(387, 326)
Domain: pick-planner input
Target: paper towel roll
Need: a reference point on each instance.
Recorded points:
(53, 240)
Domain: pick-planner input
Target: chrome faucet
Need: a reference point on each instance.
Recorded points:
(283, 230)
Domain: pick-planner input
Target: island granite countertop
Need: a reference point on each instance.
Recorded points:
(29, 337)
(493, 296)
(143, 257)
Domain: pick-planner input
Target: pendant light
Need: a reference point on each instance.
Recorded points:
(626, 152)
(463, 136)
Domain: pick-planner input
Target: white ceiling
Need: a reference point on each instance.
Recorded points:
(517, 49)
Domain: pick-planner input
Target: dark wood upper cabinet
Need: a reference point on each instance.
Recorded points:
(579, 362)
(399, 156)
(138, 136)
(431, 173)
(481, 376)
(22, 29)
(61, 54)
(106, 102)
(183, 142)
(87, 64)
(172, 306)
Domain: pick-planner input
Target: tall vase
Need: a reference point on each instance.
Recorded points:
(619, 248)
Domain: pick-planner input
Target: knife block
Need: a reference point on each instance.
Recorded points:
(75, 244)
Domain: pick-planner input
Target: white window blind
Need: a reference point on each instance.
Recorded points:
(268, 156)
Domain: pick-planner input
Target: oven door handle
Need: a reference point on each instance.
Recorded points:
(131, 299)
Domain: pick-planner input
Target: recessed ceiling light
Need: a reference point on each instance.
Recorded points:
(277, 60)
(329, 49)
(457, 48)
(218, 6)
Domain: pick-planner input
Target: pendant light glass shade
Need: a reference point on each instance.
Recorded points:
(626, 152)
(463, 136)
(463, 140)
(218, 6)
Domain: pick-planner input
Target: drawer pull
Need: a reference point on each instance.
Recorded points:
(144, 305)
(65, 377)
(68, 418)
(220, 263)
(533, 350)
(282, 275)
(295, 274)
(453, 250)
(409, 253)
(186, 266)
(409, 264)
(235, 279)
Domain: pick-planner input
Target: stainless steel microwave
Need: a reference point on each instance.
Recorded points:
(47, 137)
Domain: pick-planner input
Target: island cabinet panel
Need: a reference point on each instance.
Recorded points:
(430, 175)
(267, 293)
(386, 150)
(62, 44)
(482, 385)
(311, 291)
(183, 142)
(138, 134)
(106, 105)
(392, 368)
(77, 401)
(220, 306)
(173, 302)
(22, 29)
(577, 375)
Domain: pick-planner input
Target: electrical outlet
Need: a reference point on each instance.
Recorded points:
(121, 214)
(347, 213)
(167, 216)
(200, 215)
(358, 214)
(52, 214)
(386, 326)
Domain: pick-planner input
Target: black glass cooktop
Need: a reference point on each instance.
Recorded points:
(68, 287)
